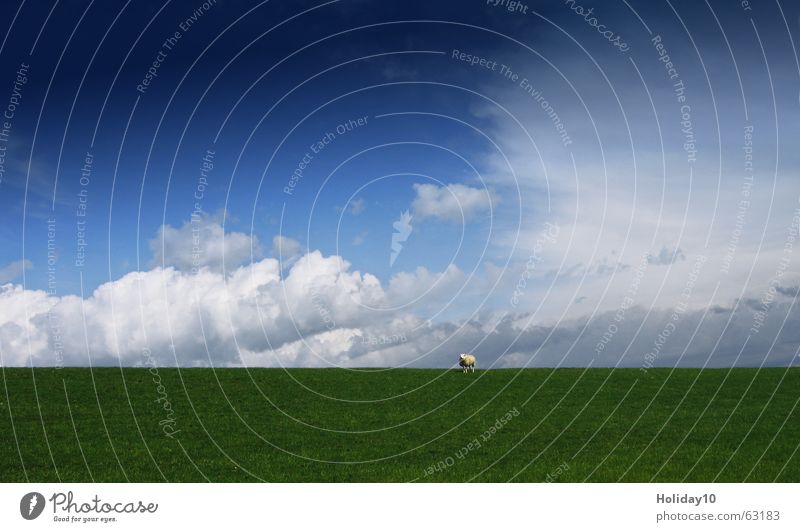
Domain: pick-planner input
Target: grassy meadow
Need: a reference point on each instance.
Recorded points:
(399, 425)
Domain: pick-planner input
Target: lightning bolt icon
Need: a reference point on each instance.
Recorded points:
(34, 499)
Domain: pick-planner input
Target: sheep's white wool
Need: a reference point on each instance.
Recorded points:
(467, 362)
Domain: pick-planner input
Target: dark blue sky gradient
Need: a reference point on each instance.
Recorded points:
(251, 83)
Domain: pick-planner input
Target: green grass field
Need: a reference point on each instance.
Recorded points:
(573, 425)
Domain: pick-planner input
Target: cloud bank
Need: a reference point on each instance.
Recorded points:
(319, 312)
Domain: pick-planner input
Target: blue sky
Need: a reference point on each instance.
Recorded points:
(477, 155)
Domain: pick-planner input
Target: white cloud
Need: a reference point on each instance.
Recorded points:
(320, 314)
(454, 202)
(13, 270)
(312, 314)
(202, 242)
(188, 319)
(423, 288)
(621, 192)
(285, 248)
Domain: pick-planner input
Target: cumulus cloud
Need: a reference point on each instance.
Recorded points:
(316, 312)
(322, 313)
(427, 288)
(202, 242)
(13, 270)
(188, 319)
(454, 202)
(284, 247)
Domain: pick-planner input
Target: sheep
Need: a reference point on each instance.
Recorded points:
(467, 362)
